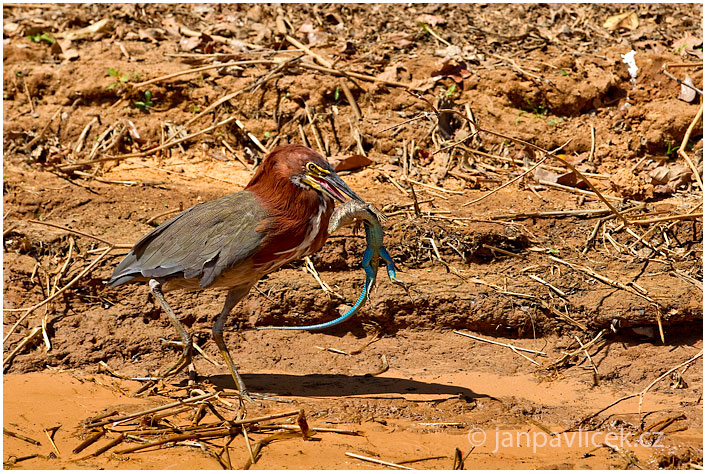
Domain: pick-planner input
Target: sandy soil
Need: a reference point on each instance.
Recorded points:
(558, 77)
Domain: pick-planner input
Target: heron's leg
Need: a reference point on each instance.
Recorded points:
(232, 298)
(185, 358)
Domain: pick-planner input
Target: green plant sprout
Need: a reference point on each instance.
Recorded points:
(146, 103)
(41, 36)
(671, 148)
(452, 92)
(120, 78)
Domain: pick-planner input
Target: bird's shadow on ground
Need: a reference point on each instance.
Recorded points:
(339, 385)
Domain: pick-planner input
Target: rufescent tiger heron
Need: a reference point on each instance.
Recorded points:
(231, 242)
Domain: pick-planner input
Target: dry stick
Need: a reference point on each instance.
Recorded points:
(683, 65)
(553, 288)
(82, 137)
(44, 130)
(304, 48)
(518, 162)
(394, 182)
(548, 153)
(500, 343)
(151, 410)
(429, 29)
(88, 441)
(162, 214)
(654, 228)
(586, 353)
(57, 226)
(309, 266)
(502, 251)
(351, 100)
(315, 130)
(554, 214)
(312, 428)
(690, 86)
(515, 66)
(569, 355)
(328, 66)
(236, 155)
(66, 264)
(355, 75)
(640, 394)
(230, 96)
(52, 297)
(431, 186)
(474, 201)
(247, 443)
(106, 447)
(196, 399)
(203, 68)
(29, 97)
(219, 433)
(415, 203)
(576, 190)
(252, 137)
(534, 298)
(378, 461)
(602, 278)
(679, 217)
(22, 437)
(591, 150)
(158, 148)
(51, 441)
(685, 139)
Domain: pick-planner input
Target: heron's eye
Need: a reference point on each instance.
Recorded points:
(314, 169)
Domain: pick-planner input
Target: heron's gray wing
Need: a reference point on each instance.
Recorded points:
(200, 242)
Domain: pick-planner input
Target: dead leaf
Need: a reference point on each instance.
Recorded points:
(306, 28)
(422, 85)
(627, 20)
(424, 157)
(390, 73)
(400, 40)
(151, 34)
(10, 28)
(665, 174)
(687, 41)
(349, 49)
(541, 174)
(55, 49)
(687, 94)
(654, 46)
(432, 20)
(99, 27)
(458, 72)
(571, 179)
(189, 44)
(70, 54)
(347, 163)
(171, 26)
(668, 179)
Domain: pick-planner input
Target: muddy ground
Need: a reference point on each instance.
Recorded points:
(79, 132)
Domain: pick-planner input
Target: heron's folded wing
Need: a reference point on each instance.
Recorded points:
(200, 242)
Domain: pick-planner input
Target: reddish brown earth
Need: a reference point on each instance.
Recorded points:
(547, 74)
